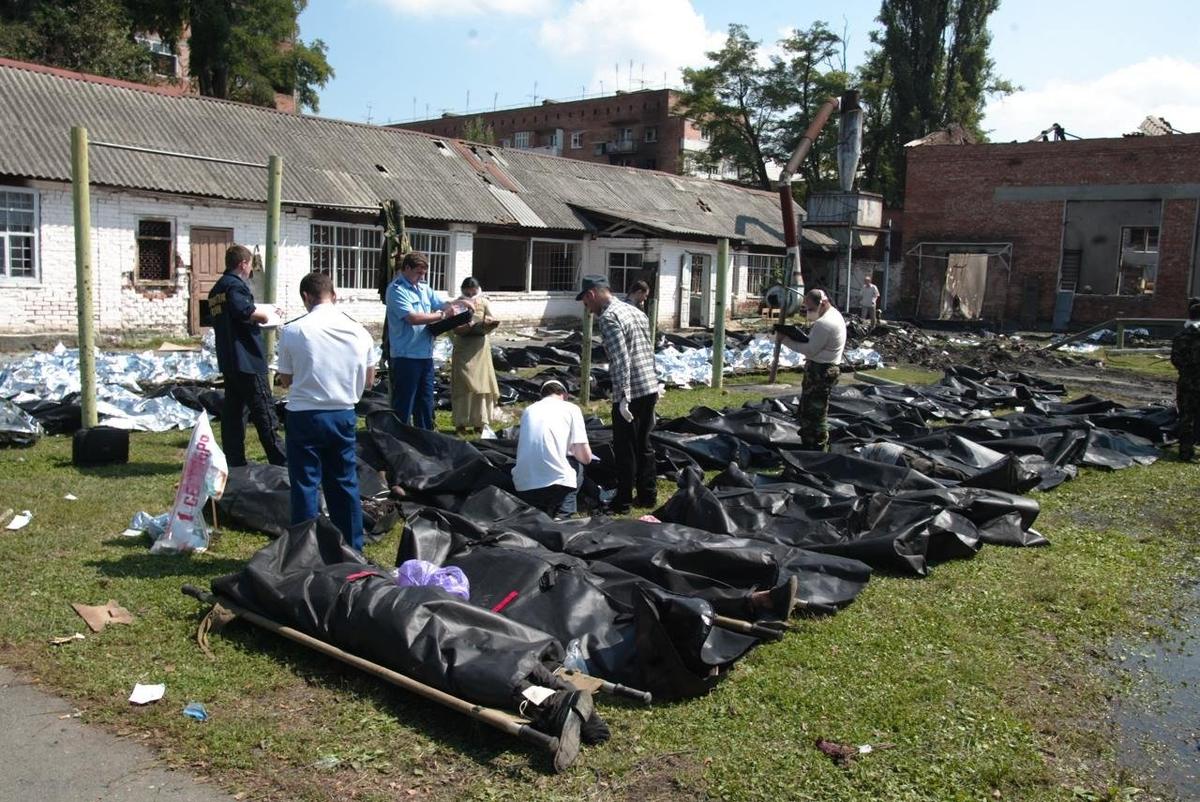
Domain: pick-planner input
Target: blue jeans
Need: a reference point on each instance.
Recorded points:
(412, 390)
(321, 453)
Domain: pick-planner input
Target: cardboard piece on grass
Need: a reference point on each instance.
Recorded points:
(97, 617)
(145, 694)
(20, 521)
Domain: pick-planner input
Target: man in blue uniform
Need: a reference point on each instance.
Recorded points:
(411, 306)
(325, 362)
(241, 357)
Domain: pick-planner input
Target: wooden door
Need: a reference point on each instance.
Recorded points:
(208, 263)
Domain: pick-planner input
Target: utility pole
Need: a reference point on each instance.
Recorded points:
(718, 356)
(585, 360)
(81, 195)
(274, 192)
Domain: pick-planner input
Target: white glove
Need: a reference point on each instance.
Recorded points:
(623, 411)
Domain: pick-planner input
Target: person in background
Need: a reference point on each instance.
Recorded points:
(626, 333)
(637, 295)
(411, 306)
(823, 354)
(473, 387)
(551, 451)
(241, 356)
(325, 362)
(869, 298)
(1185, 356)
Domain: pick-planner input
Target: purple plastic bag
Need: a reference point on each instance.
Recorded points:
(419, 573)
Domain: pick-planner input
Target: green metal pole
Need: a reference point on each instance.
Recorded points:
(83, 274)
(585, 360)
(718, 358)
(274, 191)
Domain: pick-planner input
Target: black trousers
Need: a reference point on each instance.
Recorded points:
(634, 454)
(249, 391)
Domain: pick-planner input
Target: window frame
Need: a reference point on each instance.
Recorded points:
(34, 237)
(170, 240)
(1142, 248)
(624, 268)
(364, 269)
(577, 140)
(651, 134)
(522, 140)
(760, 272)
(578, 264)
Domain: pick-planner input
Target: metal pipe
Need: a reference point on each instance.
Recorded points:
(498, 719)
(849, 266)
(274, 190)
(887, 263)
(177, 154)
(585, 360)
(81, 196)
(718, 356)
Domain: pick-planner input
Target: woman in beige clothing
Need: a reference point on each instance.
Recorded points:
(473, 388)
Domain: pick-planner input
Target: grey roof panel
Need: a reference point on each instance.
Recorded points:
(340, 164)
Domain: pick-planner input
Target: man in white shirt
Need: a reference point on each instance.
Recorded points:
(823, 354)
(325, 362)
(552, 432)
(869, 298)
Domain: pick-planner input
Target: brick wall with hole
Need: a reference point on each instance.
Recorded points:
(951, 197)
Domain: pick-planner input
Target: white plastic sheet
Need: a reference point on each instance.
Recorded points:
(683, 368)
(119, 378)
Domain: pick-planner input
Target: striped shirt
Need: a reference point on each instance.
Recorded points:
(626, 334)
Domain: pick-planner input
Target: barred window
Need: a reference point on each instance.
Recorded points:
(555, 265)
(155, 251)
(761, 272)
(350, 253)
(436, 247)
(624, 268)
(18, 233)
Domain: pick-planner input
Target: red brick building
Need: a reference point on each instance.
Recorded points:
(632, 129)
(1053, 233)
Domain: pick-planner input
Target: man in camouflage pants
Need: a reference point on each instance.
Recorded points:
(1185, 356)
(823, 354)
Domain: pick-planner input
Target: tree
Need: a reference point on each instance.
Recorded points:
(930, 68)
(93, 36)
(476, 130)
(735, 100)
(812, 69)
(245, 50)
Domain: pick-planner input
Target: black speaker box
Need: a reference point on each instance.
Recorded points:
(100, 445)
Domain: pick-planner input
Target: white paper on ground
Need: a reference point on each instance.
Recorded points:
(20, 521)
(145, 694)
(71, 497)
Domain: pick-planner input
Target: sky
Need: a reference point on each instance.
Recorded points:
(1097, 68)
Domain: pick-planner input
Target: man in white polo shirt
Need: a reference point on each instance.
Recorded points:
(325, 362)
(552, 431)
(823, 352)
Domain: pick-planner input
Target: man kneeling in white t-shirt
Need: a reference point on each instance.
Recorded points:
(552, 431)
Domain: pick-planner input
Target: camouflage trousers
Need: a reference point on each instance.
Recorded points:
(819, 380)
(1187, 402)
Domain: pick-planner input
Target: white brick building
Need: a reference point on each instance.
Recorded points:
(527, 226)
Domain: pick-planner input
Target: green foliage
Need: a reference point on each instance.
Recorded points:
(244, 50)
(929, 69)
(476, 130)
(94, 36)
(735, 99)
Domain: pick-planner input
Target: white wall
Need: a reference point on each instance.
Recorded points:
(47, 305)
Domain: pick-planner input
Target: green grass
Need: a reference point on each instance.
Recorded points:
(984, 676)
(1156, 365)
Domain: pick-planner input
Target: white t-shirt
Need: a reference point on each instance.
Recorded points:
(548, 429)
(870, 294)
(826, 339)
(327, 355)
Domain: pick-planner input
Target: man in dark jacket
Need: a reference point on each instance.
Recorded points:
(241, 356)
(1185, 356)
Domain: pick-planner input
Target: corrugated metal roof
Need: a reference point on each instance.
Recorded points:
(339, 164)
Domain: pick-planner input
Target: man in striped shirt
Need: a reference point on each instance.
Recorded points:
(626, 334)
